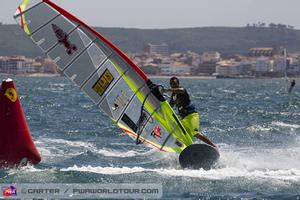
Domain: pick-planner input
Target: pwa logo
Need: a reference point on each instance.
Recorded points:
(10, 191)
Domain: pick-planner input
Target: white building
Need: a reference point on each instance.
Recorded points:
(234, 68)
(227, 68)
(279, 64)
(18, 65)
(12, 65)
(264, 64)
(213, 56)
(161, 49)
(182, 70)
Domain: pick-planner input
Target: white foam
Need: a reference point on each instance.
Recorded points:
(282, 124)
(122, 154)
(214, 174)
(105, 170)
(27, 169)
(259, 129)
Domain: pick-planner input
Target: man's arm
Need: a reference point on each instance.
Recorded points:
(203, 138)
(175, 90)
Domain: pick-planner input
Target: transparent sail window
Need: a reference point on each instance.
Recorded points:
(97, 55)
(102, 45)
(37, 16)
(99, 43)
(120, 64)
(119, 98)
(132, 117)
(69, 48)
(135, 78)
(46, 37)
(30, 4)
(25, 8)
(85, 65)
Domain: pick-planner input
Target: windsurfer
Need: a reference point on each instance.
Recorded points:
(292, 85)
(187, 111)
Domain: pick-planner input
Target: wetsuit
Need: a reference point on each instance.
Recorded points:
(188, 113)
(293, 83)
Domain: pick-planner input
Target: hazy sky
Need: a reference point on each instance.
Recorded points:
(173, 13)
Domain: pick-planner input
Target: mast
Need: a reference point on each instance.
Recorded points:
(285, 64)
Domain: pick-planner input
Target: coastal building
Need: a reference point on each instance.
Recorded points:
(24, 65)
(152, 69)
(226, 68)
(258, 52)
(14, 64)
(207, 63)
(280, 64)
(294, 69)
(210, 57)
(294, 64)
(49, 67)
(176, 70)
(232, 68)
(161, 49)
(205, 68)
(263, 64)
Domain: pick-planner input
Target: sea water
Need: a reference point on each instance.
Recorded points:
(255, 124)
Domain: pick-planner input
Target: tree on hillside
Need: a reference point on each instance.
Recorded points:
(272, 25)
(281, 26)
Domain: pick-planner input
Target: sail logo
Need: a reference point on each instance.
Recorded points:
(63, 38)
(11, 94)
(103, 82)
(120, 101)
(10, 191)
(156, 132)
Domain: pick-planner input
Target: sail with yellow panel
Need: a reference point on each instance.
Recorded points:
(102, 71)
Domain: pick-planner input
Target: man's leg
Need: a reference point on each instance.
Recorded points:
(203, 138)
(191, 124)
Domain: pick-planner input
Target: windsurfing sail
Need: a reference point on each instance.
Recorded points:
(101, 70)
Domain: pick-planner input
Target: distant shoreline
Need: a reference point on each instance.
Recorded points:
(213, 77)
(32, 75)
(155, 76)
(184, 77)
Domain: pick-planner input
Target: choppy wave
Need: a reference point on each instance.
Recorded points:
(64, 148)
(256, 128)
(214, 174)
(259, 128)
(123, 154)
(60, 148)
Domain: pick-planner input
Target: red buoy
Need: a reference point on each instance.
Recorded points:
(16, 145)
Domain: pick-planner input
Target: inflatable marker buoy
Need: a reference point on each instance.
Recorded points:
(16, 145)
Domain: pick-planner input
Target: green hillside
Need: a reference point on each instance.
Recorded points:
(226, 40)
